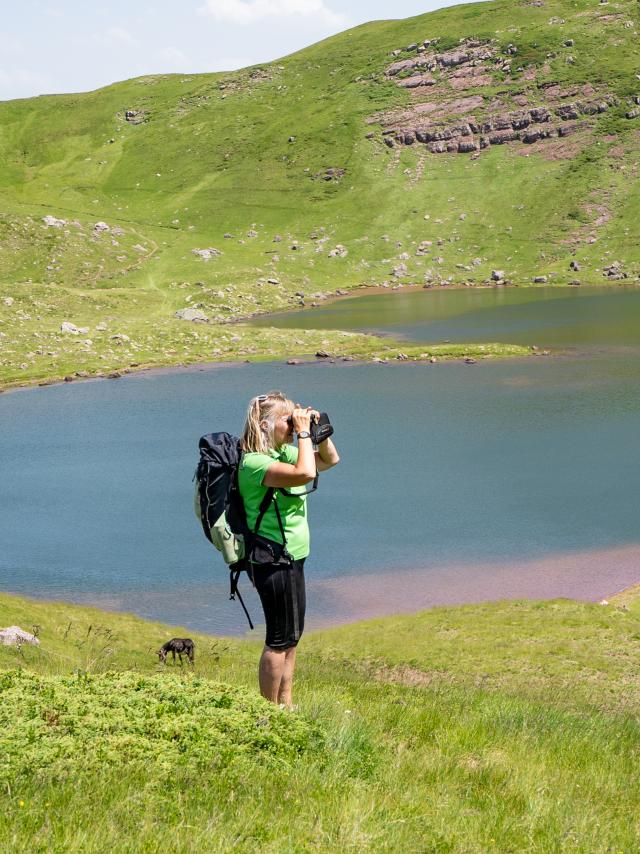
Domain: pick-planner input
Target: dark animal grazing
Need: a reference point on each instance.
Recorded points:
(179, 645)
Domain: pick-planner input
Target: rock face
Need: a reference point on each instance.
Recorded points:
(545, 110)
(15, 636)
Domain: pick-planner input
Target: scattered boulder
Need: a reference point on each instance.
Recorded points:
(333, 173)
(614, 271)
(8, 301)
(540, 280)
(293, 362)
(135, 117)
(339, 251)
(15, 636)
(71, 329)
(53, 222)
(193, 314)
(322, 354)
(100, 227)
(206, 254)
(497, 275)
(573, 265)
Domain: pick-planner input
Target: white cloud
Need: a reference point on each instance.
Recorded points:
(22, 83)
(174, 57)
(119, 35)
(251, 11)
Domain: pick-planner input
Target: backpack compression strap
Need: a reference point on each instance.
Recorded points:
(234, 574)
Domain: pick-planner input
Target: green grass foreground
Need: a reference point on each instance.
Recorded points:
(500, 727)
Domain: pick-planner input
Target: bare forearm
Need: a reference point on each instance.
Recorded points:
(328, 453)
(306, 458)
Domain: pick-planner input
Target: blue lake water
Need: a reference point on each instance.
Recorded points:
(572, 317)
(448, 465)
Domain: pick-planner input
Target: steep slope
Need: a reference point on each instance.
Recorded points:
(501, 136)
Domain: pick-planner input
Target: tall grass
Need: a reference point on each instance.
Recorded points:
(427, 738)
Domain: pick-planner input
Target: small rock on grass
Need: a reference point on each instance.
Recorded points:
(15, 636)
(192, 314)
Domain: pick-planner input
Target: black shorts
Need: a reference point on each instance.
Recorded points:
(284, 601)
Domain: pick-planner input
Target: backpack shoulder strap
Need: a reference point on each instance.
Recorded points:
(264, 506)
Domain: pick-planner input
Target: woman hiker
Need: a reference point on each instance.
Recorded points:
(278, 554)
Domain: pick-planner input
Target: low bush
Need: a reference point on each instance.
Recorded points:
(64, 726)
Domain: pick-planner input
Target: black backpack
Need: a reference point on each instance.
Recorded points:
(220, 509)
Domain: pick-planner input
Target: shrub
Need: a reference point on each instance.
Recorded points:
(64, 726)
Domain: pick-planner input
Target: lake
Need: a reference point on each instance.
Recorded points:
(457, 482)
(571, 317)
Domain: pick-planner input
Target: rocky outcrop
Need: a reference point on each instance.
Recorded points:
(525, 126)
(443, 124)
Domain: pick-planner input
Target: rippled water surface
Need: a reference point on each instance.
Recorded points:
(453, 478)
(547, 316)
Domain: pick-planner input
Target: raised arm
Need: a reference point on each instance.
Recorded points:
(326, 456)
(285, 474)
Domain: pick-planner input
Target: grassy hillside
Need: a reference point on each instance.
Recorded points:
(283, 169)
(503, 727)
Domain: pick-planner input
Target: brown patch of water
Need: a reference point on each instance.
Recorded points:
(587, 576)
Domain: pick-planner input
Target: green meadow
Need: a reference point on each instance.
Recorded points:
(499, 727)
(238, 163)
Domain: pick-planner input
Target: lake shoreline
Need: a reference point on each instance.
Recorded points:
(591, 576)
(373, 346)
(292, 361)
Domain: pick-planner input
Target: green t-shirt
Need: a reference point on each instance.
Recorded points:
(293, 509)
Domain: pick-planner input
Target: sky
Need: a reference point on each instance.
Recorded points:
(55, 46)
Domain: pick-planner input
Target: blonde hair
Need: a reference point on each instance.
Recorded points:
(264, 407)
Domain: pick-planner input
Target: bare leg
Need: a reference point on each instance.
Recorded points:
(270, 670)
(286, 682)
